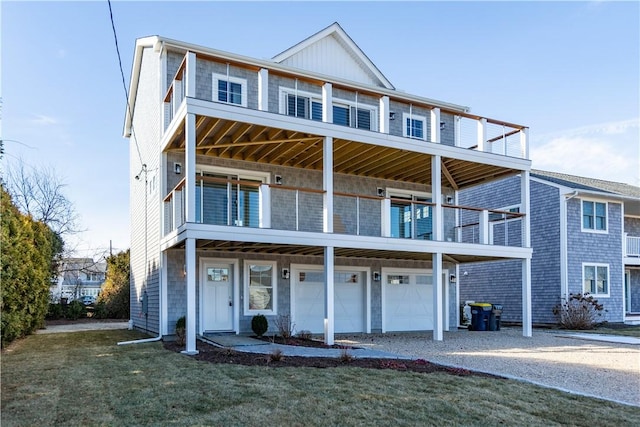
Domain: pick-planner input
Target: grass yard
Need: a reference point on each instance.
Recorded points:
(83, 378)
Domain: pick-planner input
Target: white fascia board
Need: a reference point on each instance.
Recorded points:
(594, 194)
(271, 236)
(245, 115)
(135, 77)
(271, 65)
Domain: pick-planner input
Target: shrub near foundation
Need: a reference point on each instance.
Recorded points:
(259, 325)
(580, 311)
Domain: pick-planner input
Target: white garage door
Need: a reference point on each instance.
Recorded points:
(308, 301)
(408, 301)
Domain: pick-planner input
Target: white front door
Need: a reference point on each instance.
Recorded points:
(217, 292)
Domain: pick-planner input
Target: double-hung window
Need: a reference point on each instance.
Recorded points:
(230, 90)
(414, 126)
(361, 117)
(595, 278)
(260, 287)
(594, 216)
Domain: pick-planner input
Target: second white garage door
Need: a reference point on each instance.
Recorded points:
(308, 300)
(408, 300)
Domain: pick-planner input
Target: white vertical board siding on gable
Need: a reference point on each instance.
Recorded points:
(328, 56)
(147, 124)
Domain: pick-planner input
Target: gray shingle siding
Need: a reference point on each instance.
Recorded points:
(145, 219)
(605, 248)
(632, 226)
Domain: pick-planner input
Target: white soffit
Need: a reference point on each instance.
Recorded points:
(332, 52)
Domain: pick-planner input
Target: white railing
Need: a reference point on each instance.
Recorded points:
(252, 204)
(632, 246)
(470, 132)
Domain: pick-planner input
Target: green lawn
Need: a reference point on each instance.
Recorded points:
(83, 378)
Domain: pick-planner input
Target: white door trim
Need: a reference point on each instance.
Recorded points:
(296, 268)
(233, 263)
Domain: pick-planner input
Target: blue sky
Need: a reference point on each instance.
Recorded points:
(568, 70)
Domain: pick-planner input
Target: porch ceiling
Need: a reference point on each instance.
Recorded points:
(304, 250)
(236, 140)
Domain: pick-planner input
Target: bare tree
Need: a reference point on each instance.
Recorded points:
(40, 193)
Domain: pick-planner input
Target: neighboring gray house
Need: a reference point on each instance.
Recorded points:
(585, 236)
(78, 277)
(306, 186)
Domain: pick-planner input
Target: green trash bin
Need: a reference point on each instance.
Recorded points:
(480, 313)
(494, 317)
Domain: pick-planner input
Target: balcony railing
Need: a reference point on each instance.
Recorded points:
(238, 203)
(632, 246)
(469, 131)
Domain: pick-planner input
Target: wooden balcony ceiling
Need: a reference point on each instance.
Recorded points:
(318, 251)
(236, 140)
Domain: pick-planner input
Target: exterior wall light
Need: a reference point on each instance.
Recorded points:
(177, 168)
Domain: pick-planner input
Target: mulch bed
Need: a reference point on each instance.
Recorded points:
(212, 354)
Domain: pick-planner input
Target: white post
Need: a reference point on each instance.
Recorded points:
(327, 184)
(327, 103)
(525, 207)
(265, 206)
(190, 167)
(386, 217)
(482, 134)
(329, 270)
(524, 143)
(436, 195)
(384, 114)
(457, 120)
(263, 89)
(190, 262)
(483, 229)
(164, 309)
(438, 300)
(190, 75)
(435, 125)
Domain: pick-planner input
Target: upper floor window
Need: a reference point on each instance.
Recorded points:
(305, 107)
(361, 117)
(595, 278)
(230, 90)
(413, 126)
(594, 216)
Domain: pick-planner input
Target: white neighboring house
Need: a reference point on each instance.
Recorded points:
(79, 277)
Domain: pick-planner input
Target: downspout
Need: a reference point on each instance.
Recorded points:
(159, 337)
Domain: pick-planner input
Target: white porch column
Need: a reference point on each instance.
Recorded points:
(190, 262)
(386, 217)
(265, 206)
(263, 89)
(436, 196)
(483, 228)
(190, 168)
(327, 184)
(190, 75)
(524, 143)
(164, 311)
(435, 125)
(384, 114)
(329, 269)
(457, 120)
(438, 298)
(482, 134)
(327, 103)
(525, 207)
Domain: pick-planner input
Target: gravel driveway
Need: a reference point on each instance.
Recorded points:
(549, 358)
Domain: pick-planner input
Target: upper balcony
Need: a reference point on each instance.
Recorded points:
(306, 100)
(632, 246)
(254, 204)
